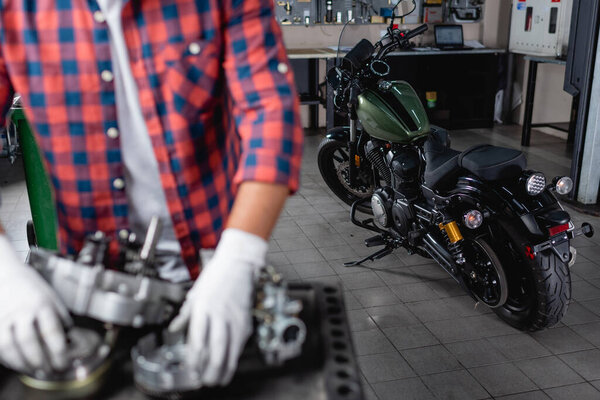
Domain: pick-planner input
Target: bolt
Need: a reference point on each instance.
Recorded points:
(473, 275)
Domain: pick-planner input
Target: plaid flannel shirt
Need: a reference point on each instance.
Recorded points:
(216, 92)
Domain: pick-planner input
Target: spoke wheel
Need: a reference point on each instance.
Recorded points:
(334, 166)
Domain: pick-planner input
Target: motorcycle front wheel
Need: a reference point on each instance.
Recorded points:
(539, 288)
(334, 165)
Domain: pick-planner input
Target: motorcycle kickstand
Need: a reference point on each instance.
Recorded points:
(386, 251)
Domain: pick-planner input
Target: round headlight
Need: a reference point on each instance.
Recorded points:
(473, 219)
(536, 184)
(564, 185)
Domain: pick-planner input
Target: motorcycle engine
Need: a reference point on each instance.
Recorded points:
(381, 204)
(404, 165)
(390, 212)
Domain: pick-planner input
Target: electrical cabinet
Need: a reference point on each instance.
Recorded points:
(540, 27)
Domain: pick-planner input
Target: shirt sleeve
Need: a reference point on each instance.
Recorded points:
(262, 87)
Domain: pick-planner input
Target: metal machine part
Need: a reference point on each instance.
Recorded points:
(89, 359)
(132, 298)
(160, 363)
(109, 296)
(280, 333)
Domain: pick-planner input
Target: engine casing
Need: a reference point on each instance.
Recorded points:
(404, 165)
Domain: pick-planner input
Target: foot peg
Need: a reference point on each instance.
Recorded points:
(375, 241)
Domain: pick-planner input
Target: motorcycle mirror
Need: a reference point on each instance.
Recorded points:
(404, 7)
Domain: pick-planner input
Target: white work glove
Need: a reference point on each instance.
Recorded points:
(218, 308)
(32, 335)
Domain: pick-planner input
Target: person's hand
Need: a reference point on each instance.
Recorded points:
(218, 308)
(32, 335)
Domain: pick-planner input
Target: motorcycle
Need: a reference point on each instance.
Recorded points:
(496, 227)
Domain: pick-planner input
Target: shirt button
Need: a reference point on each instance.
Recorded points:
(282, 68)
(194, 48)
(112, 133)
(99, 17)
(118, 184)
(106, 76)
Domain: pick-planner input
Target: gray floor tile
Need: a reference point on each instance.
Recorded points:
(429, 272)
(476, 353)
(277, 259)
(465, 306)
(596, 384)
(565, 340)
(469, 328)
(585, 363)
(350, 302)
(535, 395)
(518, 347)
(586, 269)
(360, 320)
(502, 379)
(337, 252)
(430, 360)
(371, 342)
(406, 389)
(414, 292)
(432, 310)
(398, 276)
(384, 367)
(548, 372)
(392, 316)
(374, 297)
(577, 314)
(446, 288)
(591, 253)
(582, 391)
(455, 385)
(362, 280)
(410, 337)
(314, 269)
(299, 242)
(592, 305)
(583, 290)
(304, 256)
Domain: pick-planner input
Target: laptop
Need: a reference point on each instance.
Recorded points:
(450, 37)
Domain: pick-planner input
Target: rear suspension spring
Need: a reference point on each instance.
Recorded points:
(454, 243)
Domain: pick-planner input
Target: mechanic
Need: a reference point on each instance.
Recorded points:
(182, 109)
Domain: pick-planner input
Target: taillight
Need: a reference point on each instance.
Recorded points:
(555, 230)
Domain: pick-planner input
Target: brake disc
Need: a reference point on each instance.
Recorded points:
(343, 174)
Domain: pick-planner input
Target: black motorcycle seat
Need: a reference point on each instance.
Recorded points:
(492, 163)
(442, 161)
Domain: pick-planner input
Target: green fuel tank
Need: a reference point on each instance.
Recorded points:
(393, 112)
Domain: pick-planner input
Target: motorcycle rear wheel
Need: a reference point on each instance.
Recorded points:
(539, 289)
(333, 159)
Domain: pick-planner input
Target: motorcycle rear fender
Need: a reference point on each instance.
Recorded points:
(510, 204)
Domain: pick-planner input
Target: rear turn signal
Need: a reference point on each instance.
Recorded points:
(555, 230)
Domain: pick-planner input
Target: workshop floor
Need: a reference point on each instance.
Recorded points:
(417, 335)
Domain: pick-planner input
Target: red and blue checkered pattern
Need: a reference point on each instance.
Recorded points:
(216, 118)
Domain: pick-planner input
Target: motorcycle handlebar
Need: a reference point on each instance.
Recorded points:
(415, 32)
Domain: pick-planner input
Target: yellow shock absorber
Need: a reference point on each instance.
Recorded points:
(453, 232)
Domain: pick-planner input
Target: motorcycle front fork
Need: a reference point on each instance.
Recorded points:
(352, 167)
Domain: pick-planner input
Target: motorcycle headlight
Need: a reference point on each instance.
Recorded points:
(535, 184)
(564, 185)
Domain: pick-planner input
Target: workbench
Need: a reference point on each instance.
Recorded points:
(326, 370)
(466, 82)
